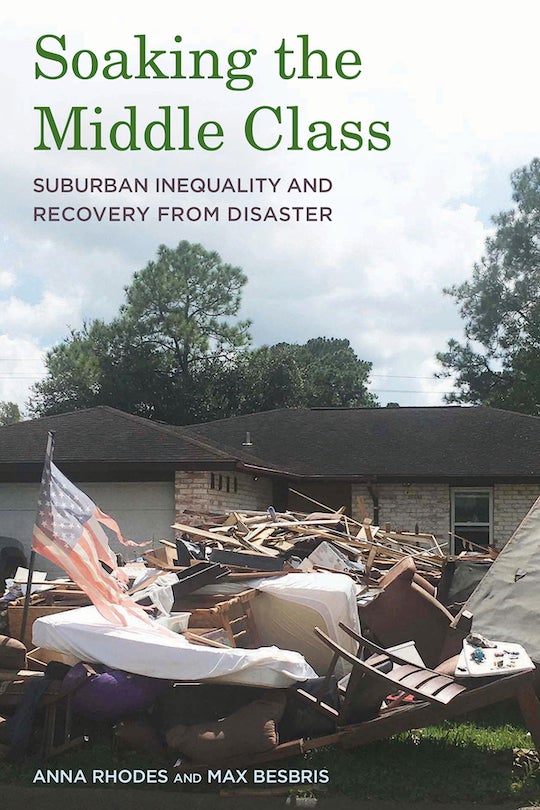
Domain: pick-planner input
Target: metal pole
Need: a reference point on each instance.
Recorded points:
(48, 459)
(27, 595)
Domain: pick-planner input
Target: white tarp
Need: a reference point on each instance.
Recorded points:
(291, 606)
(288, 607)
(145, 650)
(506, 602)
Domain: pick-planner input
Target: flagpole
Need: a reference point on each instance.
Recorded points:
(48, 453)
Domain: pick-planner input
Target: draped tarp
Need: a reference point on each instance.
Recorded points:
(141, 649)
(506, 603)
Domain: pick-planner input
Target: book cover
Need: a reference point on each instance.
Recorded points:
(344, 161)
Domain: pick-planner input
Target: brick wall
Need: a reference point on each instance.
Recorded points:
(511, 502)
(405, 505)
(230, 490)
(401, 505)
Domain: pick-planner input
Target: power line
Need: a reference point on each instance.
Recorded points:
(406, 391)
(400, 377)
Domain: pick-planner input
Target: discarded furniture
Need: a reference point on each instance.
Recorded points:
(231, 614)
(435, 697)
(288, 608)
(406, 610)
(45, 603)
(144, 649)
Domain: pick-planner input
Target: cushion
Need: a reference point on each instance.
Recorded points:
(139, 735)
(111, 694)
(12, 653)
(250, 730)
(448, 667)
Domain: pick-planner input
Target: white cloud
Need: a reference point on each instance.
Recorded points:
(21, 364)
(7, 279)
(455, 82)
(51, 312)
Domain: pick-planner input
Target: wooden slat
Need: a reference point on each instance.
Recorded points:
(450, 692)
(417, 679)
(401, 672)
(435, 685)
(393, 684)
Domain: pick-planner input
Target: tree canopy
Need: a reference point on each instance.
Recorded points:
(177, 352)
(9, 413)
(498, 364)
(324, 372)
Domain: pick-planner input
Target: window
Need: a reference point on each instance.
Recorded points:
(472, 518)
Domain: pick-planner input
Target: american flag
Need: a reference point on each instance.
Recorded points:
(68, 532)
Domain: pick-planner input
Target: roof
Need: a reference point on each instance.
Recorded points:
(394, 443)
(402, 444)
(102, 434)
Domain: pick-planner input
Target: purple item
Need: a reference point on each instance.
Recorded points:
(112, 694)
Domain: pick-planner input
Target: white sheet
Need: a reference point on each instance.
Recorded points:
(145, 650)
(331, 596)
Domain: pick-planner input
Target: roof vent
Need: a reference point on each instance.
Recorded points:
(247, 441)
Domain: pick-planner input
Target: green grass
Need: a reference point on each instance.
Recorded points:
(468, 761)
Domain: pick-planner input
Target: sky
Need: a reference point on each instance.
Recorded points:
(456, 82)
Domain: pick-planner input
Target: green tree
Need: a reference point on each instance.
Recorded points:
(498, 364)
(323, 372)
(176, 353)
(182, 304)
(178, 319)
(9, 413)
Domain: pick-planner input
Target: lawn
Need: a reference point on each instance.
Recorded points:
(470, 761)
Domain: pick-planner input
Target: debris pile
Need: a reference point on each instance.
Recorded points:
(274, 541)
(264, 634)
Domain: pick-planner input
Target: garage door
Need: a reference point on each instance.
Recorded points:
(144, 511)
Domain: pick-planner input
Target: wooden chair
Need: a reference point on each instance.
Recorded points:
(437, 697)
(54, 705)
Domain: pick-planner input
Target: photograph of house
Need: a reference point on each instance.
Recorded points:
(456, 472)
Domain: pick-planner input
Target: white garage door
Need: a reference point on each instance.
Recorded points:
(144, 511)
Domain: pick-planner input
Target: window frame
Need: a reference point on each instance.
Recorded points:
(482, 525)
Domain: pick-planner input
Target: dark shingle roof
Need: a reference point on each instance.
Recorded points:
(102, 434)
(400, 443)
(387, 443)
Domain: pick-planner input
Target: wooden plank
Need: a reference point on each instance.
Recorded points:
(244, 560)
(371, 559)
(194, 531)
(268, 552)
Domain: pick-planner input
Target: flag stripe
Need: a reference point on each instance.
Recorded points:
(68, 533)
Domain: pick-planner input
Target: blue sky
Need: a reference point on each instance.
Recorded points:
(458, 84)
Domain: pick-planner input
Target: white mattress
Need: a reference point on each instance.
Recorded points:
(159, 653)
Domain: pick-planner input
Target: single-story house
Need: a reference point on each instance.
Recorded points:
(470, 471)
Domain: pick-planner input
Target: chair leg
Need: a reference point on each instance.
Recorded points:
(530, 709)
